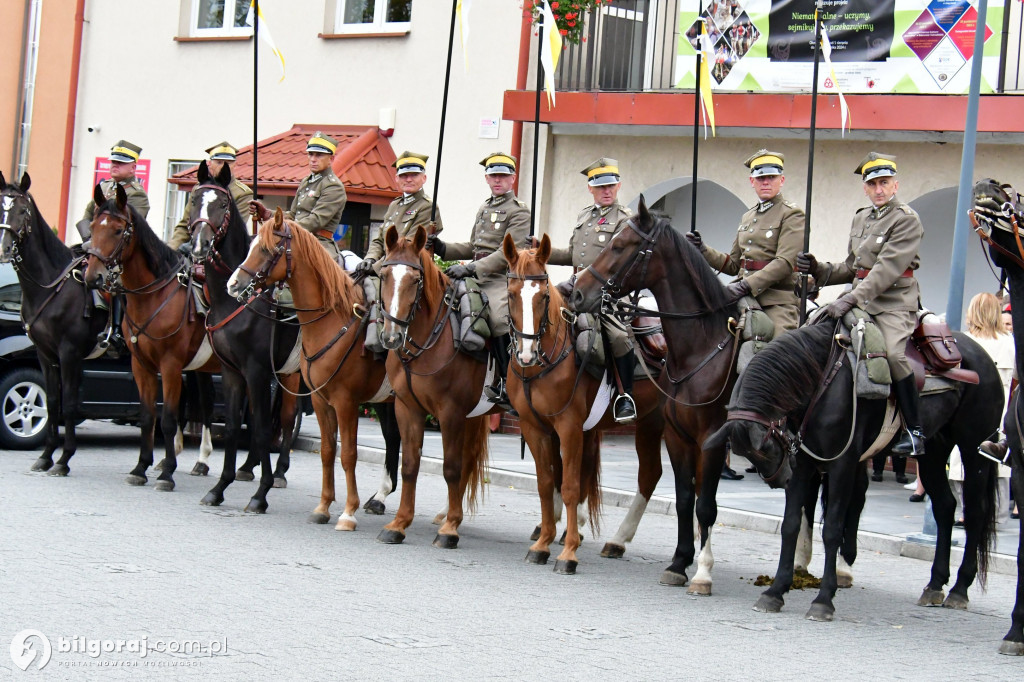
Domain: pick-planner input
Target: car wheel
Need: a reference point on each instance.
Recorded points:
(23, 414)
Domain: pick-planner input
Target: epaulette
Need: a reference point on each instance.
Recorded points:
(521, 203)
(864, 208)
(626, 211)
(789, 203)
(585, 212)
(906, 209)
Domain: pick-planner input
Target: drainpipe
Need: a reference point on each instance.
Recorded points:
(29, 61)
(522, 73)
(69, 128)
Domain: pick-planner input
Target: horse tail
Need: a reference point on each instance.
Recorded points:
(475, 446)
(987, 537)
(590, 483)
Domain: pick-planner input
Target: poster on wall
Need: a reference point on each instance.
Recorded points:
(878, 46)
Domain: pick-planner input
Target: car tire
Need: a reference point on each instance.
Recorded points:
(23, 415)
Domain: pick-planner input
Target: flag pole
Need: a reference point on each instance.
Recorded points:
(696, 136)
(536, 124)
(444, 112)
(255, 105)
(818, 5)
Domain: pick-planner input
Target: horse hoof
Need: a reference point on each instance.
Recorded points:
(613, 551)
(59, 470)
(1009, 648)
(566, 566)
(134, 479)
(212, 499)
(536, 556)
(931, 597)
(257, 506)
(345, 524)
(844, 580)
(673, 579)
(821, 613)
(243, 475)
(280, 482)
(446, 541)
(200, 469)
(319, 517)
(390, 537)
(700, 589)
(164, 486)
(42, 464)
(956, 601)
(769, 603)
(535, 535)
(374, 506)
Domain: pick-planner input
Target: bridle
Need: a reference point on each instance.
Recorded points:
(258, 278)
(518, 335)
(219, 231)
(641, 257)
(16, 234)
(776, 431)
(114, 262)
(1008, 221)
(404, 323)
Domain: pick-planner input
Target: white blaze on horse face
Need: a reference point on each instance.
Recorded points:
(527, 293)
(208, 197)
(398, 273)
(8, 205)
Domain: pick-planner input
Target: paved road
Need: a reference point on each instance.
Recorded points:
(89, 557)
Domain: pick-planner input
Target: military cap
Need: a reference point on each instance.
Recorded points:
(321, 144)
(876, 165)
(764, 162)
(222, 151)
(499, 163)
(125, 152)
(410, 162)
(604, 171)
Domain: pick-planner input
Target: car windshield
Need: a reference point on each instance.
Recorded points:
(10, 289)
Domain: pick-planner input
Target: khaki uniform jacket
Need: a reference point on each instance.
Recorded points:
(595, 227)
(406, 213)
(137, 198)
(497, 216)
(884, 241)
(770, 231)
(319, 203)
(240, 193)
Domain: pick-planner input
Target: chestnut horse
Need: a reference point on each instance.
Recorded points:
(554, 397)
(430, 375)
(334, 364)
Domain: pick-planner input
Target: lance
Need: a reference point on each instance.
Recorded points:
(444, 112)
(255, 105)
(696, 136)
(810, 153)
(536, 123)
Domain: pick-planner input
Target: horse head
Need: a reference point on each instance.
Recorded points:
(111, 243)
(263, 265)
(402, 278)
(16, 215)
(764, 442)
(210, 211)
(530, 297)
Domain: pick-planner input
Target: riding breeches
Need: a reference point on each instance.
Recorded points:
(496, 288)
(785, 317)
(896, 327)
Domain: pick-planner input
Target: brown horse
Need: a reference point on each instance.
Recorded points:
(164, 332)
(554, 397)
(430, 375)
(334, 364)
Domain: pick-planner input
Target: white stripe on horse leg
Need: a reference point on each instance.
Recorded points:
(701, 583)
(844, 572)
(627, 529)
(179, 442)
(558, 507)
(581, 514)
(440, 517)
(206, 445)
(385, 488)
(346, 522)
(804, 545)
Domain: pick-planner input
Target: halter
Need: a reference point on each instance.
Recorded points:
(641, 256)
(113, 264)
(776, 431)
(258, 278)
(518, 334)
(406, 322)
(16, 234)
(219, 231)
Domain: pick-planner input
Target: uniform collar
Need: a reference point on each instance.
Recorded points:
(605, 210)
(499, 200)
(879, 211)
(409, 198)
(763, 206)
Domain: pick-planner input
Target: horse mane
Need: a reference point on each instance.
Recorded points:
(160, 258)
(704, 280)
(528, 257)
(433, 287)
(336, 287)
(785, 374)
(55, 250)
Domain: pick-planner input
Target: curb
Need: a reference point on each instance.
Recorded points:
(734, 518)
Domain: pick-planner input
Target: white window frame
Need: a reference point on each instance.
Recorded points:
(377, 26)
(223, 31)
(176, 201)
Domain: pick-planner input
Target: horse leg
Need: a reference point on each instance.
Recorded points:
(541, 445)
(648, 452)
(348, 422)
(234, 394)
(289, 411)
(571, 445)
(392, 445)
(979, 520)
(822, 608)
(204, 391)
(848, 549)
(328, 421)
(453, 437)
(1013, 642)
(51, 379)
(260, 379)
(70, 377)
(682, 453)
(146, 382)
(411, 425)
(805, 539)
(936, 486)
(707, 511)
(804, 478)
(169, 423)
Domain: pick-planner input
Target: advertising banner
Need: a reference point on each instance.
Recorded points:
(878, 46)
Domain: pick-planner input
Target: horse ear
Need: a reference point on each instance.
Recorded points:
(122, 197)
(508, 248)
(278, 217)
(26, 182)
(224, 177)
(645, 215)
(3, 181)
(544, 250)
(718, 438)
(390, 238)
(203, 174)
(419, 239)
(97, 196)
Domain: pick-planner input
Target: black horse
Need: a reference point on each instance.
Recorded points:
(56, 309)
(785, 390)
(999, 216)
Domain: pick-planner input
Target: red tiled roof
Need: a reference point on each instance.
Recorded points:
(362, 162)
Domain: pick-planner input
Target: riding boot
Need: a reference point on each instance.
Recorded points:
(499, 351)
(909, 403)
(112, 337)
(625, 408)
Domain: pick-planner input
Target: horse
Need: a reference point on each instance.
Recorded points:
(430, 375)
(997, 217)
(164, 333)
(340, 373)
(247, 339)
(57, 311)
(554, 397)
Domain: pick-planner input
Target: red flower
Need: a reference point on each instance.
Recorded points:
(554, 5)
(563, 31)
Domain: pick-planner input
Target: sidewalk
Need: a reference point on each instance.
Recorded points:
(888, 517)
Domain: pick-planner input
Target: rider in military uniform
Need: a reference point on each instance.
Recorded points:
(501, 213)
(320, 201)
(595, 226)
(884, 242)
(220, 154)
(764, 251)
(407, 212)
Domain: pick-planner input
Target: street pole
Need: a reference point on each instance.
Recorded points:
(696, 136)
(255, 107)
(810, 153)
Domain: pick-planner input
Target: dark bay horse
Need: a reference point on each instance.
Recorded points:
(161, 325)
(339, 371)
(430, 375)
(999, 216)
(56, 309)
(553, 397)
(784, 390)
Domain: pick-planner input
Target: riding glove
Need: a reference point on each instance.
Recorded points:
(256, 208)
(435, 244)
(806, 264)
(841, 305)
(365, 267)
(459, 271)
(185, 249)
(565, 288)
(737, 290)
(695, 239)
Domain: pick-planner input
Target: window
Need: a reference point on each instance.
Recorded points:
(176, 201)
(219, 18)
(374, 16)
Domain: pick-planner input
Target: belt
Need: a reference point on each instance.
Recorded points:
(325, 234)
(753, 264)
(863, 272)
(479, 255)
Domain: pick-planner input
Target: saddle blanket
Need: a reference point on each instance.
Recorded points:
(202, 355)
(291, 365)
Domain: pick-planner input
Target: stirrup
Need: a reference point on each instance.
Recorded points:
(495, 393)
(911, 444)
(627, 405)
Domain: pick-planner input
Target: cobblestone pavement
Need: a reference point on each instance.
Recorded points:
(88, 558)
